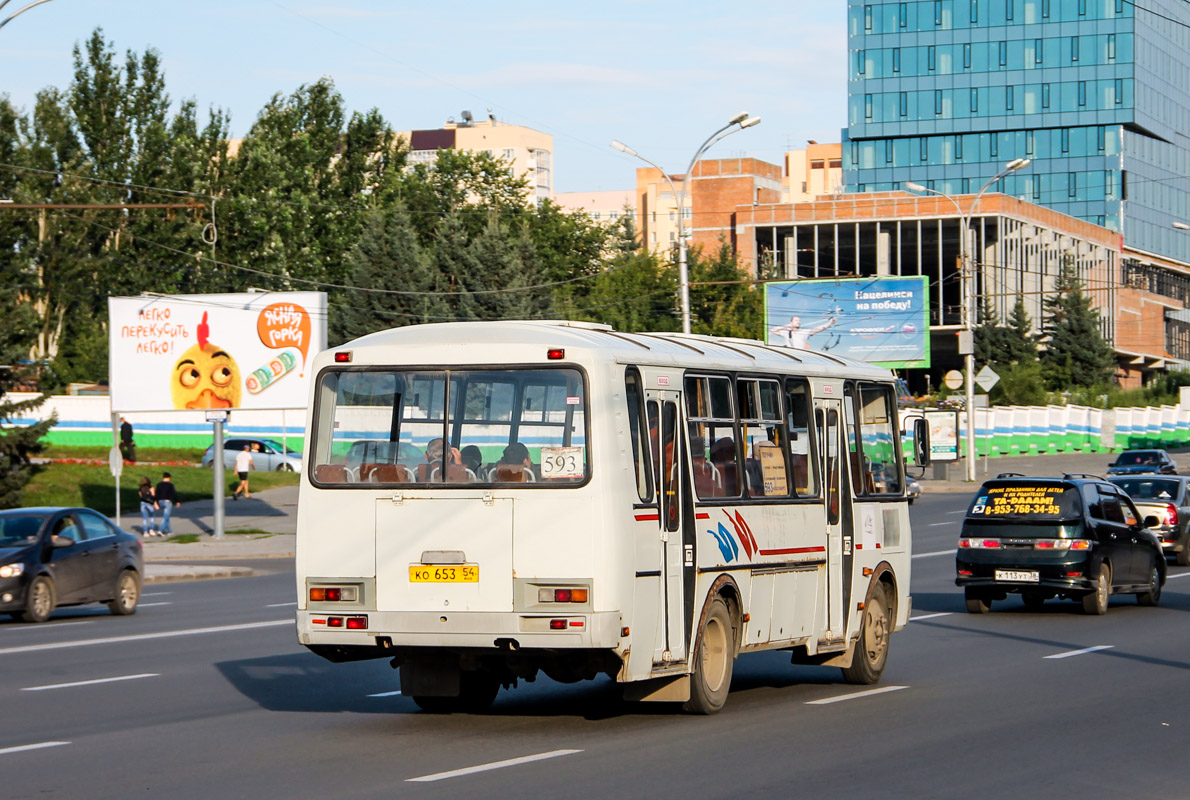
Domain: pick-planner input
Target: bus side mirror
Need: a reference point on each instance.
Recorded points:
(921, 442)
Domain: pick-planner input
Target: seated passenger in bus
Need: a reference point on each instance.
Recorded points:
(724, 458)
(707, 481)
(515, 465)
(431, 470)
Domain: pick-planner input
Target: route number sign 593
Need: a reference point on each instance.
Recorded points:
(561, 462)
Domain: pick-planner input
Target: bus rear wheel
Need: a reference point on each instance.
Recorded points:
(871, 650)
(713, 661)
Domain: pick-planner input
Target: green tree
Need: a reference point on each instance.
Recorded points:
(723, 298)
(634, 291)
(1076, 355)
(17, 442)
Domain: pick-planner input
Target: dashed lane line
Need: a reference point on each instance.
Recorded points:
(53, 626)
(280, 605)
(91, 682)
(929, 616)
(386, 694)
(1084, 651)
(159, 603)
(247, 626)
(855, 695)
(935, 553)
(24, 747)
(940, 524)
(512, 762)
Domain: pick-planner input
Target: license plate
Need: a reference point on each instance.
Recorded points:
(1017, 576)
(444, 573)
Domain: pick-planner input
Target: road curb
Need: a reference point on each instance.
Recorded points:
(166, 573)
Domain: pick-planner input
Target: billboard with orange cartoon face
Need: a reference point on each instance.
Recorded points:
(214, 351)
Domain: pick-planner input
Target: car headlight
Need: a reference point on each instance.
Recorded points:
(11, 570)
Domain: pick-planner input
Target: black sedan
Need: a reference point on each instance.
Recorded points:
(1142, 462)
(52, 557)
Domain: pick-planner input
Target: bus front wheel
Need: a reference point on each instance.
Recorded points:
(713, 661)
(871, 649)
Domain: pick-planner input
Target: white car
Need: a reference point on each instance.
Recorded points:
(270, 456)
(912, 489)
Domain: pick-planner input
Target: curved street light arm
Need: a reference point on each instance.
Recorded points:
(19, 11)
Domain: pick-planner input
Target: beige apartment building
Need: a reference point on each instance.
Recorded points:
(602, 206)
(812, 173)
(528, 152)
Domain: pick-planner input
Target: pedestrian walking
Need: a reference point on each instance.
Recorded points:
(244, 465)
(166, 495)
(148, 508)
(127, 445)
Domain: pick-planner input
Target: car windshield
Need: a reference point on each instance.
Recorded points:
(273, 443)
(1149, 488)
(1017, 501)
(19, 529)
(1140, 458)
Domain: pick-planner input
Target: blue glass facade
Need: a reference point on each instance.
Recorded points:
(1095, 92)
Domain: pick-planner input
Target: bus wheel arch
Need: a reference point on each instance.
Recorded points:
(715, 647)
(870, 649)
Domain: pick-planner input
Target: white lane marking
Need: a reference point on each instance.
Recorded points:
(159, 603)
(155, 594)
(1179, 575)
(52, 626)
(22, 748)
(280, 605)
(1085, 650)
(386, 694)
(247, 626)
(930, 616)
(948, 522)
(935, 553)
(854, 695)
(962, 511)
(512, 762)
(90, 683)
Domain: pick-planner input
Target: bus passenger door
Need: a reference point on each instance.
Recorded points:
(665, 435)
(827, 417)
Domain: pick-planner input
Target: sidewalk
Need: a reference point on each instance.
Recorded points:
(270, 515)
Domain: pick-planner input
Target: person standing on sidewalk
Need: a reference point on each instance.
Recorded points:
(167, 497)
(148, 508)
(127, 445)
(244, 464)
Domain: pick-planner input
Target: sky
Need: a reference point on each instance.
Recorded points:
(660, 76)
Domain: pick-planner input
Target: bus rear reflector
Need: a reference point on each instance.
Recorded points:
(557, 624)
(334, 622)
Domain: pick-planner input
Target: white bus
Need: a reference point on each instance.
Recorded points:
(486, 500)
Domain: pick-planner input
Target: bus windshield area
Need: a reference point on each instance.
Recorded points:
(450, 427)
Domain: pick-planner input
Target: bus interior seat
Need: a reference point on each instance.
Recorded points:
(455, 473)
(330, 473)
(512, 473)
(707, 480)
(384, 473)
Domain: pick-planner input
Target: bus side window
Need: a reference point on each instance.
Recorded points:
(636, 432)
(655, 441)
(713, 432)
(760, 418)
(803, 465)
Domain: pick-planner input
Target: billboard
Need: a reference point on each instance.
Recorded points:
(214, 351)
(879, 320)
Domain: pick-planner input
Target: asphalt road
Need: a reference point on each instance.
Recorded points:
(204, 693)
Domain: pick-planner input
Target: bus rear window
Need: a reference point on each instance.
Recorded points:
(450, 427)
(1025, 501)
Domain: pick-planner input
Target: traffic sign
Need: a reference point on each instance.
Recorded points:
(115, 460)
(953, 379)
(987, 378)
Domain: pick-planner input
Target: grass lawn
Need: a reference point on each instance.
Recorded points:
(92, 486)
(191, 455)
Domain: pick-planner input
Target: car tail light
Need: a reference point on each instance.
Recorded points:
(966, 572)
(1171, 514)
(978, 544)
(1062, 544)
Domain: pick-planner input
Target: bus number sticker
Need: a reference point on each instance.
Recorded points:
(561, 462)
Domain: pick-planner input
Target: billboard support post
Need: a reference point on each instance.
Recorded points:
(217, 417)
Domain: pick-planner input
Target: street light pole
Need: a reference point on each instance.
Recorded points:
(743, 121)
(19, 11)
(967, 281)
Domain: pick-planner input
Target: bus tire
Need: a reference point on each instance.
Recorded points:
(477, 690)
(871, 649)
(713, 660)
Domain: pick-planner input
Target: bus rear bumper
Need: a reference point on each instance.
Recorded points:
(468, 629)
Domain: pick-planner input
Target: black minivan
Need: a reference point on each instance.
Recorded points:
(1076, 537)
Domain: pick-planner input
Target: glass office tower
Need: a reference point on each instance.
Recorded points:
(1095, 92)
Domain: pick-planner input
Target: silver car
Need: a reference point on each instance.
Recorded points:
(270, 456)
(1166, 497)
(912, 489)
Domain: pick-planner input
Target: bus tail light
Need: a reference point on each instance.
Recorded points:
(334, 594)
(334, 622)
(555, 353)
(343, 357)
(547, 595)
(357, 623)
(557, 624)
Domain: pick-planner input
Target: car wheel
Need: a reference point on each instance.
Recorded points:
(1033, 600)
(284, 468)
(713, 661)
(40, 600)
(871, 650)
(1095, 601)
(127, 594)
(1153, 596)
(976, 603)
